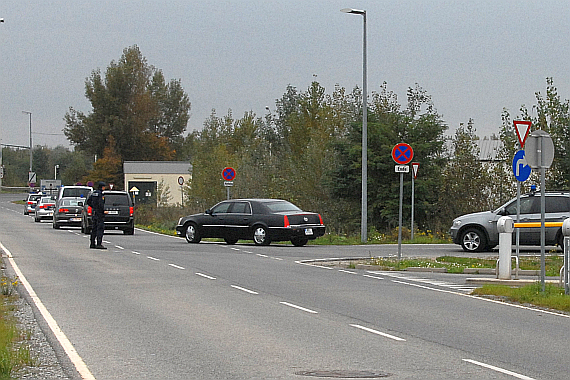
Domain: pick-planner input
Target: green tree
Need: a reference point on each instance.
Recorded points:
(134, 106)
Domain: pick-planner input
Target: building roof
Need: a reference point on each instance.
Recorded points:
(157, 167)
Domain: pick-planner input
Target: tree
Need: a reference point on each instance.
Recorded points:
(133, 106)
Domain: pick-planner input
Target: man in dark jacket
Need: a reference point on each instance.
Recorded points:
(97, 202)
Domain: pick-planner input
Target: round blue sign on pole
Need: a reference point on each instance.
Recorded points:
(520, 168)
(229, 174)
(402, 153)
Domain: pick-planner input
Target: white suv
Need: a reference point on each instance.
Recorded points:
(478, 232)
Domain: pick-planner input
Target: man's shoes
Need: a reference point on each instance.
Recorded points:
(92, 246)
(100, 247)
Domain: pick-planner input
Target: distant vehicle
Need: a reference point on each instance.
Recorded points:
(478, 232)
(74, 191)
(44, 208)
(260, 220)
(30, 203)
(119, 213)
(67, 212)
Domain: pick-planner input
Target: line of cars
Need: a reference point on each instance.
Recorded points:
(69, 209)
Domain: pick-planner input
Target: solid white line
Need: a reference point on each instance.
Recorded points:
(501, 370)
(369, 276)
(312, 265)
(379, 333)
(243, 289)
(176, 266)
(77, 361)
(205, 276)
(299, 307)
(152, 258)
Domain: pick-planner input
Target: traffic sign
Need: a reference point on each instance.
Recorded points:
(521, 169)
(402, 169)
(229, 174)
(415, 167)
(32, 177)
(522, 128)
(540, 150)
(402, 153)
(181, 180)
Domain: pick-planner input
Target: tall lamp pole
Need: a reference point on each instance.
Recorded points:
(364, 212)
(30, 114)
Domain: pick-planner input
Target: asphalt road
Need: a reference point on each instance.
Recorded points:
(155, 307)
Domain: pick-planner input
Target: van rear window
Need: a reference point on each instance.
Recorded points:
(116, 200)
(76, 192)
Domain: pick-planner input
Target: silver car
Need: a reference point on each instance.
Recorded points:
(478, 232)
(44, 208)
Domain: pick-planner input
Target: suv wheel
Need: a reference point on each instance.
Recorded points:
(473, 240)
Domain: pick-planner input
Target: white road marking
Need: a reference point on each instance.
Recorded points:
(260, 255)
(277, 258)
(501, 370)
(152, 258)
(205, 276)
(77, 361)
(347, 271)
(119, 247)
(235, 249)
(369, 276)
(379, 333)
(136, 253)
(299, 307)
(243, 289)
(176, 266)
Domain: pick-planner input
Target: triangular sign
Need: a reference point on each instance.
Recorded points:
(522, 128)
(415, 167)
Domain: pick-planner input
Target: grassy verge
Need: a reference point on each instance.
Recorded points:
(14, 350)
(552, 298)
(459, 264)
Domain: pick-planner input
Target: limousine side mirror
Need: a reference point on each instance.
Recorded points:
(208, 211)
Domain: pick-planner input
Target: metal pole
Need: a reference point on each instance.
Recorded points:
(364, 210)
(542, 216)
(412, 230)
(30, 114)
(400, 217)
(364, 221)
(518, 232)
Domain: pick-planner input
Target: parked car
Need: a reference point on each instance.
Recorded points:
(260, 220)
(30, 203)
(75, 191)
(44, 208)
(478, 232)
(67, 212)
(119, 213)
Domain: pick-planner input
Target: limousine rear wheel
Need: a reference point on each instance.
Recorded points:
(261, 236)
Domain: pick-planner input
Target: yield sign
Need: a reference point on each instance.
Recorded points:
(415, 167)
(522, 128)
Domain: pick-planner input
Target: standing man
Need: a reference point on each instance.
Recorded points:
(97, 202)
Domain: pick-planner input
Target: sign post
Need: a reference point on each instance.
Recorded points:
(415, 167)
(402, 154)
(539, 155)
(181, 183)
(228, 174)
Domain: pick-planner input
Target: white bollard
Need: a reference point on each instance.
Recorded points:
(505, 226)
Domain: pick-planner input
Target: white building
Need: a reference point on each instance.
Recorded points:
(157, 181)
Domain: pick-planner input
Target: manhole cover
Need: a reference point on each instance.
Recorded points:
(340, 374)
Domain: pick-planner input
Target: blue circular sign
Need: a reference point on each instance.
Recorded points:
(229, 174)
(520, 168)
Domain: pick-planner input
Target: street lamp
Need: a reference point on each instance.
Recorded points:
(29, 113)
(364, 212)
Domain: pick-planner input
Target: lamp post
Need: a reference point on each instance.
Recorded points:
(29, 113)
(364, 212)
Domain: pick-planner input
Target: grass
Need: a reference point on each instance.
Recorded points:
(553, 297)
(14, 350)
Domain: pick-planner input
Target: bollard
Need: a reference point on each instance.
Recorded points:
(566, 233)
(505, 226)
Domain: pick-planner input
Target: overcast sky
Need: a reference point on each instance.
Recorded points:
(472, 57)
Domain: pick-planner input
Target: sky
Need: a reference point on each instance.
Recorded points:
(473, 57)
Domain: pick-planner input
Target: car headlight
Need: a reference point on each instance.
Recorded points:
(456, 223)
